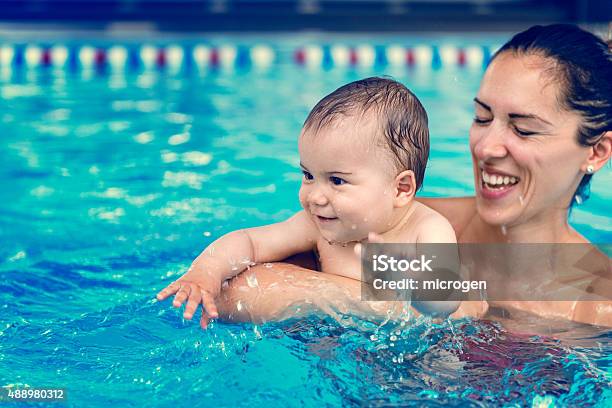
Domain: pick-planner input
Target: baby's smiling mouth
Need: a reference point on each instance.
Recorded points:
(326, 219)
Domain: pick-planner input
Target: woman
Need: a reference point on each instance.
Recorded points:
(542, 129)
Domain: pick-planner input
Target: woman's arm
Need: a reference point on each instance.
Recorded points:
(281, 290)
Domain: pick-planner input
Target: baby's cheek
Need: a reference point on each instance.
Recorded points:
(302, 198)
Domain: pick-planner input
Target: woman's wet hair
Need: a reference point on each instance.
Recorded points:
(582, 64)
(401, 118)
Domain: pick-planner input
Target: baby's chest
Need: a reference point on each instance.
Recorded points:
(339, 260)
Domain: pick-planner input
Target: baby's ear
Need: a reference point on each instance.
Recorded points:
(405, 188)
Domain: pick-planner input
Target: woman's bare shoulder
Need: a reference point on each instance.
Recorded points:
(458, 210)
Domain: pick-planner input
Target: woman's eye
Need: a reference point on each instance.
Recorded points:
(521, 132)
(307, 175)
(337, 180)
(481, 121)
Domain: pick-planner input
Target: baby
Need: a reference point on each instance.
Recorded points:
(363, 151)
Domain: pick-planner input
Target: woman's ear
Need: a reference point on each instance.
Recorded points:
(600, 152)
(405, 188)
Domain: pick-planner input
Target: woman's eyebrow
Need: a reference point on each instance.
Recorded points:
(481, 103)
(527, 116)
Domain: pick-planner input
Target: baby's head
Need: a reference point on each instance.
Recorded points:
(363, 150)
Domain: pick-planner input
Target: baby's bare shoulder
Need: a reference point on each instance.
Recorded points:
(431, 226)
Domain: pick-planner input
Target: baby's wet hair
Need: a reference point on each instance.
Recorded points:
(401, 118)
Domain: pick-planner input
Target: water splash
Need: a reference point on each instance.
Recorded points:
(252, 280)
(578, 199)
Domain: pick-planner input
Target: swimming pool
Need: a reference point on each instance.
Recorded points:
(119, 167)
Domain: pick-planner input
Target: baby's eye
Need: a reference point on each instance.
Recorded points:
(337, 180)
(307, 175)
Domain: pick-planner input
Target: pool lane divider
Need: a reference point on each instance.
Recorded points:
(203, 56)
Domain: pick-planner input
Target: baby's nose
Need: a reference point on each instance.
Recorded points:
(317, 197)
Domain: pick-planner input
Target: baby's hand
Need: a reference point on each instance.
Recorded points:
(373, 238)
(192, 288)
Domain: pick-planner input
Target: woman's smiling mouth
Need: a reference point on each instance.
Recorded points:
(495, 184)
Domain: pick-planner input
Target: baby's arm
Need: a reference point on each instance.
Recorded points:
(231, 254)
(435, 229)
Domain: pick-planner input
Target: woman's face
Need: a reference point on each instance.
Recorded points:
(527, 160)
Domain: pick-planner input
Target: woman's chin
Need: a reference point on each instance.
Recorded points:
(494, 215)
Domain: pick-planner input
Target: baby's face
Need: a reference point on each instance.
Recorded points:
(348, 187)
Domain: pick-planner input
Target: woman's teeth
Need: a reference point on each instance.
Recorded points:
(498, 181)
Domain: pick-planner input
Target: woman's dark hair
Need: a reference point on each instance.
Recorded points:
(582, 64)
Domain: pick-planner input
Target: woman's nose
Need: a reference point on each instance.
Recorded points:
(491, 144)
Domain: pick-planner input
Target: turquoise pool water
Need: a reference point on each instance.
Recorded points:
(113, 182)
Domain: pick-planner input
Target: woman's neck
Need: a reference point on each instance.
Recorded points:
(549, 227)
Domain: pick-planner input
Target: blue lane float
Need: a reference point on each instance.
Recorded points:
(179, 57)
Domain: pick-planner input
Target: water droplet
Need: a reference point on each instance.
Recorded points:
(521, 200)
(239, 305)
(17, 256)
(578, 199)
(504, 231)
(393, 337)
(257, 332)
(252, 280)
(206, 233)
(268, 265)
(354, 227)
